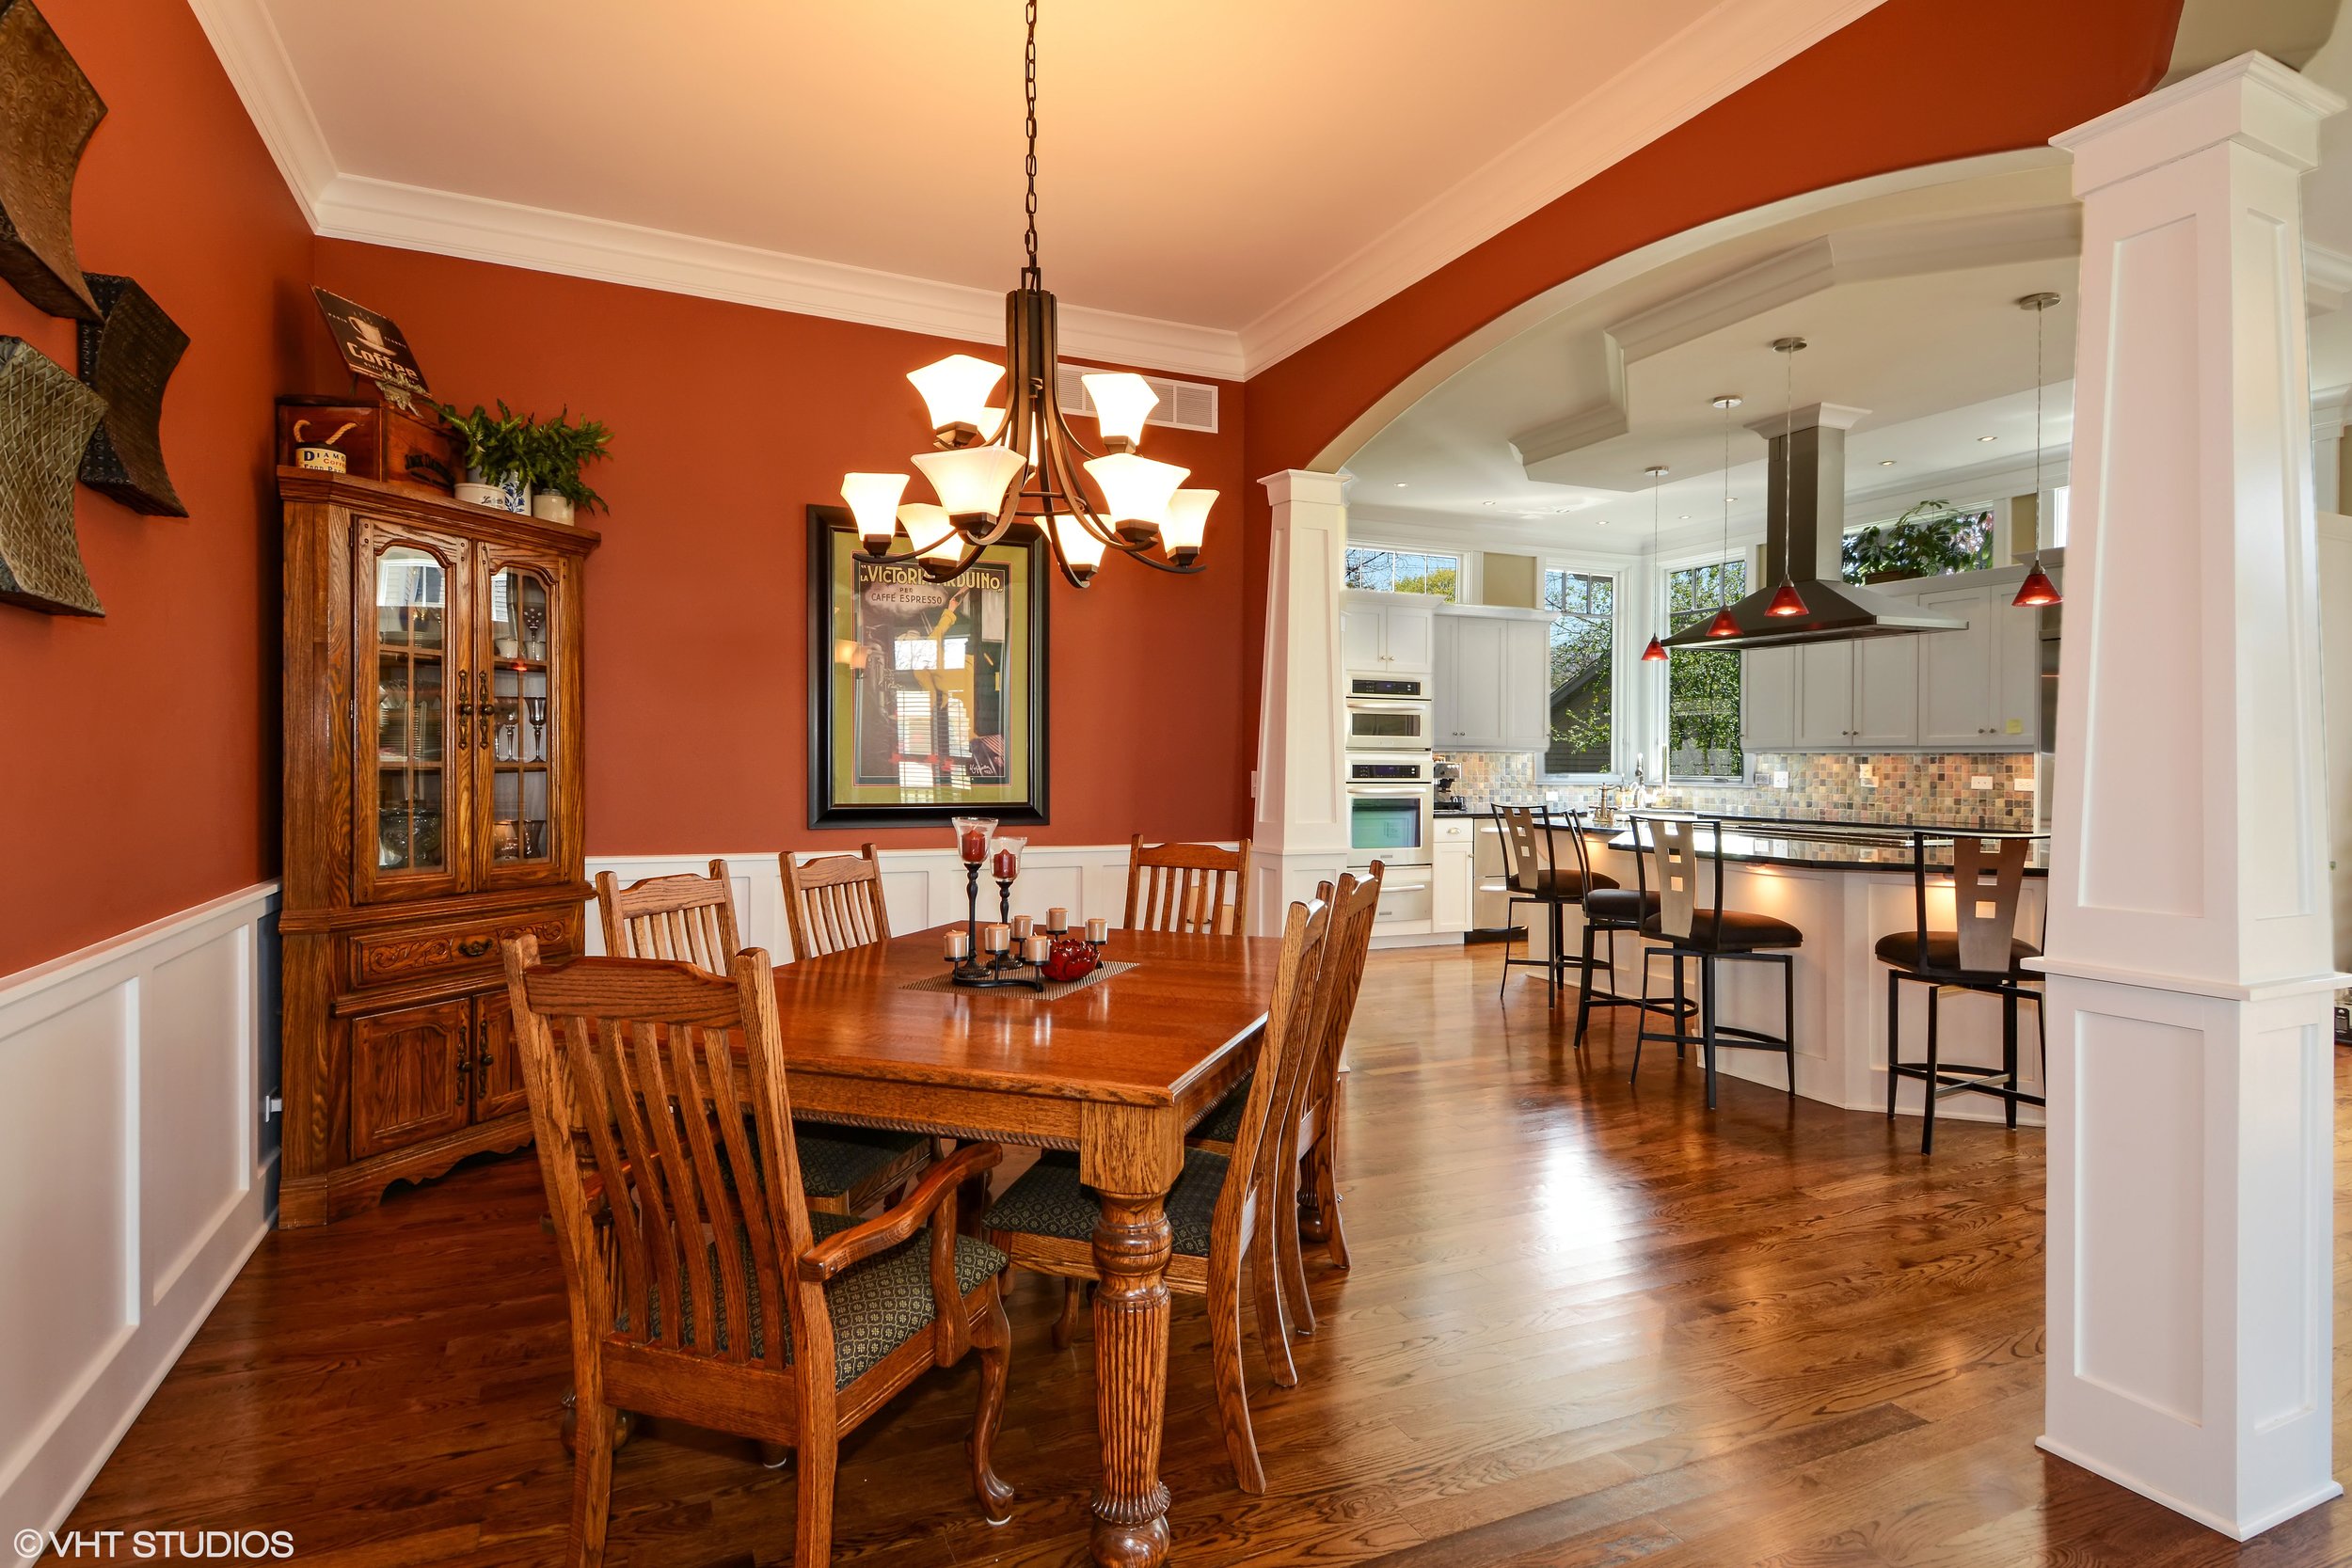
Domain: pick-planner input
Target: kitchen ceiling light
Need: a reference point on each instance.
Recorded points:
(1887, 462)
(1787, 601)
(1981, 439)
(1014, 474)
(2037, 590)
(1655, 652)
(1722, 625)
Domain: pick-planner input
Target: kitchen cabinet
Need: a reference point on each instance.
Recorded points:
(1387, 634)
(1978, 687)
(1492, 680)
(1857, 695)
(1824, 696)
(1768, 700)
(1450, 875)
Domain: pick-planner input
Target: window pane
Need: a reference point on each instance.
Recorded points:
(1583, 644)
(1404, 572)
(1703, 687)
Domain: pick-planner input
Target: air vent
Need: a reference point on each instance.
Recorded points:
(1183, 404)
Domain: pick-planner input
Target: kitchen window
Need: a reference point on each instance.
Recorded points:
(1703, 685)
(1581, 698)
(1388, 571)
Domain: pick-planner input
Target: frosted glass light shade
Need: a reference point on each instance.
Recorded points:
(990, 422)
(1080, 550)
(956, 388)
(874, 503)
(1121, 402)
(970, 479)
(1187, 521)
(928, 527)
(1136, 489)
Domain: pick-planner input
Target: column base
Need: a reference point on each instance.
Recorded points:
(2239, 1530)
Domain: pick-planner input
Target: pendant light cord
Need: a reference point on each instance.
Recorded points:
(2040, 312)
(1030, 276)
(1788, 459)
(1728, 403)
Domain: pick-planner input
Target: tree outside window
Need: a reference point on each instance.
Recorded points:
(1584, 638)
(1703, 685)
(1389, 571)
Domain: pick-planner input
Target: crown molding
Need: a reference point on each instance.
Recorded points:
(2327, 278)
(255, 60)
(1731, 45)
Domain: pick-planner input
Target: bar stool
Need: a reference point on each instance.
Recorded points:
(1983, 953)
(1609, 910)
(1709, 936)
(1541, 877)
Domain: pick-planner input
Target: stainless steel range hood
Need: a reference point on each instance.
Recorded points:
(1805, 526)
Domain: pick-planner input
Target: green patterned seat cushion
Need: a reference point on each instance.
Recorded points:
(1223, 1122)
(1049, 1200)
(876, 1305)
(834, 1159)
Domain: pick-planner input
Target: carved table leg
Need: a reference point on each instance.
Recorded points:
(1130, 1503)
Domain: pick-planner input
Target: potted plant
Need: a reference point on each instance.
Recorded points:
(1931, 539)
(558, 449)
(498, 456)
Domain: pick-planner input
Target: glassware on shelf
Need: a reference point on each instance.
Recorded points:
(391, 836)
(505, 841)
(534, 632)
(537, 708)
(534, 838)
(391, 712)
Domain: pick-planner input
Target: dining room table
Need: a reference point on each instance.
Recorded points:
(1117, 1071)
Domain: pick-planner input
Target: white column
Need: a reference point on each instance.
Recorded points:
(2189, 968)
(1300, 834)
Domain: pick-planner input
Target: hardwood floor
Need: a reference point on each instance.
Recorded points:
(1588, 1324)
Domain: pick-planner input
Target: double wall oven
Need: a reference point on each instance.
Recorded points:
(1392, 788)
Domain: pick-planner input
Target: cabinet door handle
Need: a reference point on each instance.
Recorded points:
(473, 947)
(464, 710)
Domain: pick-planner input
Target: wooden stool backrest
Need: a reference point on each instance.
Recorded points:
(690, 1143)
(1291, 1016)
(835, 902)
(686, 917)
(1985, 891)
(1195, 888)
(1356, 905)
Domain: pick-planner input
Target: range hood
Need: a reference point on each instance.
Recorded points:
(1805, 526)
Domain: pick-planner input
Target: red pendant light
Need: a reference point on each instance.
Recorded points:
(2037, 590)
(1655, 652)
(1787, 601)
(1722, 625)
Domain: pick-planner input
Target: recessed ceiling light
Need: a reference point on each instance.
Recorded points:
(1887, 462)
(1401, 483)
(1988, 438)
(1684, 518)
(1602, 521)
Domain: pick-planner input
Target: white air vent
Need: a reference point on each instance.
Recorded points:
(1182, 405)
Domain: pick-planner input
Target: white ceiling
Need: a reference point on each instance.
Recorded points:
(1222, 180)
(1908, 305)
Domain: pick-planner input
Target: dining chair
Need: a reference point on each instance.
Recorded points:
(845, 1170)
(1982, 953)
(835, 902)
(1185, 887)
(1046, 1220)
(701, 1287)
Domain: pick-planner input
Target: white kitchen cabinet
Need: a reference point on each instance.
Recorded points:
(1885, 692)
(1387, 634)
(1824, 699)
(1768, 700)
(1492, 679)
(1451, 876)
(1977, 688)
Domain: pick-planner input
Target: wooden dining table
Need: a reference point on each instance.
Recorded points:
(1117, 1071)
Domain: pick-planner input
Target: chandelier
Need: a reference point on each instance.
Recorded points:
(1011, 474)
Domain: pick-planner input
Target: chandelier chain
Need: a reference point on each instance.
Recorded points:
(1028, 165)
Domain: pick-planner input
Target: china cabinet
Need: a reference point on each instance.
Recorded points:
(433, 809)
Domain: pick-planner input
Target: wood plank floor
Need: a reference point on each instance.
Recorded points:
(1588, 1324)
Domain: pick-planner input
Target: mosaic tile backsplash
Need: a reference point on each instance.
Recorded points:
(1937, 787)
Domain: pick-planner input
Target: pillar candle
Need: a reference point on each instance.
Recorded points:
(995, 937)
(1006, 866)
(1021, 926)
(1098, 930)
(1058, 920)
(959, 943)
(1039, 949)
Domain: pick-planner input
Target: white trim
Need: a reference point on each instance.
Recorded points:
(131, 1078)
(1731, 45)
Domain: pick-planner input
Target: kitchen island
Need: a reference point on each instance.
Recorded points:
(1845, 885)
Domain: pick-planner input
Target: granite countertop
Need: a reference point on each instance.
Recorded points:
(1844, 847)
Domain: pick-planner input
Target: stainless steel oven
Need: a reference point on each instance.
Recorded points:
(1391, 725)
(1389, 817)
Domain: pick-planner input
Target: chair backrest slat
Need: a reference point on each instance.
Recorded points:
(1355, 908)
(1200, 889)
(685, 918)
(835, 902)
(1985, 895)
(1273, 1085)
(671, 1072)
(1672, 862)
(1518, 835)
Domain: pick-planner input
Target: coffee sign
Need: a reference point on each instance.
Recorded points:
(373, 348)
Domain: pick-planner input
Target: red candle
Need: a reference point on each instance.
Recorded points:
(1006, 867)
(975, 846)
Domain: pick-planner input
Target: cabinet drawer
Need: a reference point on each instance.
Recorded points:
(407, 952)
(1453, 830)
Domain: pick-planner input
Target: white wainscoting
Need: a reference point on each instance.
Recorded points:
(922, 887)
(140, 1176)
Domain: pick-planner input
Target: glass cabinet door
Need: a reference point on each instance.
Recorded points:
(412, 661)
(520, 719)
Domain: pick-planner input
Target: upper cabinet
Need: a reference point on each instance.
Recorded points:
(1492, 684)
(1387, 634)
(1975, 690)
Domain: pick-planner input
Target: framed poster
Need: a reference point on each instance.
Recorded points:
(927, 699)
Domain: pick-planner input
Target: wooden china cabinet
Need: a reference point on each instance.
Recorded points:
(432, 808)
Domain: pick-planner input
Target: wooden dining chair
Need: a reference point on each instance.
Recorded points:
(835, 902)
(1186, 887)
(702, 1287)
(1046, 1220)
(846, 1170)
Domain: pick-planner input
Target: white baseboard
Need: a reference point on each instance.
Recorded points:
(2236, 1529)
(142, 1177)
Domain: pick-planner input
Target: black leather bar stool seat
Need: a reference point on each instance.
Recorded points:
(1620, 906)
(1986, 893)
(1708, 935)
(1570, 887)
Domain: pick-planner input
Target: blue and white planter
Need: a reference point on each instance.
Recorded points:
(510, 494)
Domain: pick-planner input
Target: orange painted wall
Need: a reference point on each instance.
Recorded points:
(139, 753)
(729, 421)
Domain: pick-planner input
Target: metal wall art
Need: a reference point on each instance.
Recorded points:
(127, 358)
(47, 112)
(45, 422)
